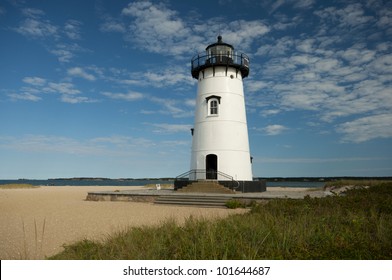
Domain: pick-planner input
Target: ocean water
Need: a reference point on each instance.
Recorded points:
(127, 183)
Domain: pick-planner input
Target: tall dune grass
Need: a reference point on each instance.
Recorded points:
(355, 226)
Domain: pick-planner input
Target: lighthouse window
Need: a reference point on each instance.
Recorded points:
(213, 107)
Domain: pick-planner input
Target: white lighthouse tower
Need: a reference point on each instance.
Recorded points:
(220, 145)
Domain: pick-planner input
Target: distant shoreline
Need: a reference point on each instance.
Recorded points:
(302, 182)
(269, 179)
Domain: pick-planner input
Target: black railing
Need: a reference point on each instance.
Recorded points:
(202, 61)
(203, 174)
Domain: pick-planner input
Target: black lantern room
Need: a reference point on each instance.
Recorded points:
(220, 54)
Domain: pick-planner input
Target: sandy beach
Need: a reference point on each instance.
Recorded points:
(35, 223)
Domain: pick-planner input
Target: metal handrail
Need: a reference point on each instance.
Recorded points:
(187, 175)
(202, 171)
(202, 61)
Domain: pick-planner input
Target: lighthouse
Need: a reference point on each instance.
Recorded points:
(220, 144)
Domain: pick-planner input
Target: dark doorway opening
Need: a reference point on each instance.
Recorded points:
(211, 167)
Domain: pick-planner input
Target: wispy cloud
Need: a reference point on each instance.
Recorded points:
(35, 25)
(79, 72)
(329, 74)
(72, 29)
(162, 76)
(76, 99)
(318, 160)
(38, 87)
(274, 129)
(114, 145)
(24, 96)
(62, 54)
(129, 96)
(64, 88)
(111, 24)
(367, 128)
(35, 81)
(36, 28)
(155, 27)
(172, 107)
(171, 128)
(65, 52)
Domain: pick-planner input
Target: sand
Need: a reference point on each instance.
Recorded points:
(35, 223)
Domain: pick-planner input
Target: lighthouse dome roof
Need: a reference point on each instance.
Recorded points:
(220, 43)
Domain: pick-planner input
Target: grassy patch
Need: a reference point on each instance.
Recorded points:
(235, 203)
(357, 183)
(355, 226)
(17, 186)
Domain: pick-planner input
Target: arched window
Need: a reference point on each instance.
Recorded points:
(213, 102)
(213, 107)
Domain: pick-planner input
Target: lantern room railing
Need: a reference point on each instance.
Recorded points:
(202, 61)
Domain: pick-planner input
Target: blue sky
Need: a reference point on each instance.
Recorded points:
(103, 88)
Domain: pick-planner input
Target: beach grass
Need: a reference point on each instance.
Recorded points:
(17, 186)
(358, 183)
(357, 225)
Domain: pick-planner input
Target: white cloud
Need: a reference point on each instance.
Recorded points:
(79, 72)
(279, 47)
(63, 54)
(111, 25)
(32, 12)
(367, 128)
(24, 96)
(76, 99)
(168, 77)
(383, 65)
(306, 45)
(35, 81)
(353, 16)
(171, 128)
(385, 20)
(36, 28)
(303, 4)
(358, 55)
(130, 96)
(190, 102)
(324, 74)
(115, 146)
(72, 29)
(64, 88)
(274, 129)
(38, 86)
(318, 160)
(123, 143)
(270, 112)
(253, 86)
(158, 29)
(49, 143)
(172, 107)
(276, 4)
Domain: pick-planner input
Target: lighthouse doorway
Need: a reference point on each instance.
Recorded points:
(212, 167)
